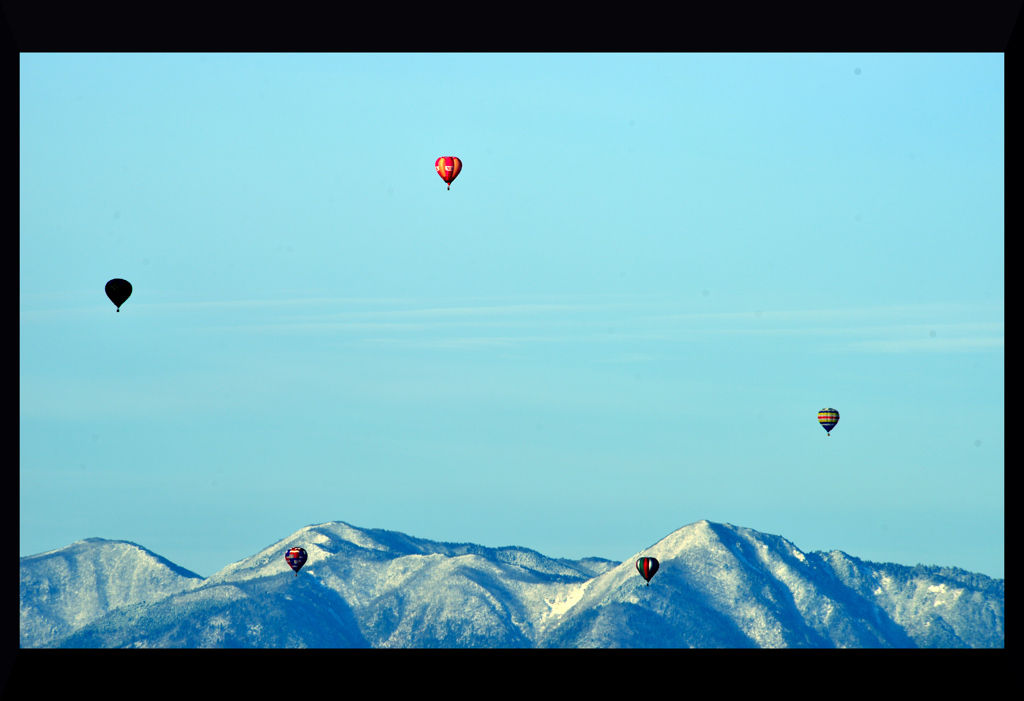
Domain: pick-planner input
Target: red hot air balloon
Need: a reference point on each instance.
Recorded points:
(647, 567)
(448, 167)
(296, 558)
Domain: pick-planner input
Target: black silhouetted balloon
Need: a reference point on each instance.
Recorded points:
(119, 290)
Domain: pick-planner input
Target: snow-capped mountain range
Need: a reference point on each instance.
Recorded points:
(718, 585)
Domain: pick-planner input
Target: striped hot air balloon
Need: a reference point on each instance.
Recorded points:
(448, 167)
(296, 558)
(647, 566)
(828, 418)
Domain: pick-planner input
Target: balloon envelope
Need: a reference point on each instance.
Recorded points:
(828, 418)
(647, 567)
(296, 558)
(448, 167)
(118, 290)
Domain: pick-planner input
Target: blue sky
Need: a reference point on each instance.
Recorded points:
(623, 317)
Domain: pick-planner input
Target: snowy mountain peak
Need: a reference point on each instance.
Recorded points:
(718, 585)
(64, 589)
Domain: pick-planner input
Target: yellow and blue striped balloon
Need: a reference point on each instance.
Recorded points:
(828, 418)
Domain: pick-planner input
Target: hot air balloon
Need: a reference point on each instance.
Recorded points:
(448, 167)
(296, 558)
(828, 418)
(118, 290)
(647, 566)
